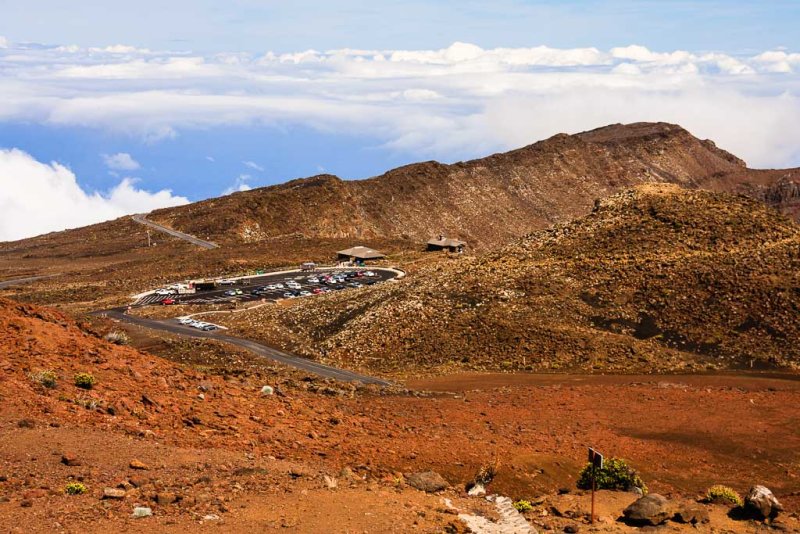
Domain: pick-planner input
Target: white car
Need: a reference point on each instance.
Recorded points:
(165, 292)
(293, 285)
(272, 287)
(226, 282)
(185, 320)
(313, 280)
(305, 293)
(279, 286)
(370, 273)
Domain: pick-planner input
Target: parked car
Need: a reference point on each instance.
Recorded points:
(305, 293)
(185, 320)
(238, 292)
(230, 293)
(165, 292)
(313, 280)
(288, 295)
(209, 327)
(279, 286)
(370, 273)
(167, 301)
(318, 290)
(226, 282)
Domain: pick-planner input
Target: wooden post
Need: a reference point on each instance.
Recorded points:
(593, 488)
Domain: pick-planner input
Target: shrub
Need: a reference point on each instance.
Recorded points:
(523, 506)
(117, 337)
(486, 473)
(723, 494)
(46, 378)
(75, 488)
(615, 474)
(84, 380)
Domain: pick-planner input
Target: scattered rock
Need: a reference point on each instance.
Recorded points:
(70, 459)
(138, 464)
(113, 493)
(691, 513)
(652, 509)
(428, 481)
(25, 503)
(211, 517)
(760, 503)
(267, 390)
(142, 511)
(26, 423)
(330, 482)
(166, 498)
(477, 489)
(571, 529)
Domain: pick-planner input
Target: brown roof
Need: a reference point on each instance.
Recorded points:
(362, 253)
(447, 242)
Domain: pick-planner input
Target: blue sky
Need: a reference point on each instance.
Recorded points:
(120, 106)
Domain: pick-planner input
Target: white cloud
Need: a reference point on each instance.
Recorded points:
(449, 103)
(240, 184)
(253, 165)
(120, 162)
(39, 197)
(3, 42)
(211, 159)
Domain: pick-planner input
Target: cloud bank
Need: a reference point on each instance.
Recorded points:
(460, 101)
(39, 197)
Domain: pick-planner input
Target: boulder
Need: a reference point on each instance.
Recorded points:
(70, 459)
(760, 503)
(428, 481)
(142, 511)
(166, 498)
(267, 390)
(113, 493)
(652, 509)
(691, 513)
(138, 464)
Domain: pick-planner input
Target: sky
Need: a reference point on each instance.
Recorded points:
(117, 107)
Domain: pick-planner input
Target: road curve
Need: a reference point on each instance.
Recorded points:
(264, 351)
(142, 219)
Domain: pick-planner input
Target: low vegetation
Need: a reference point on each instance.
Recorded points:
(48, 379)
(84, 380)
(117, 337)
(75, 488)
(724, 494)
(523, 506)
(615, 474)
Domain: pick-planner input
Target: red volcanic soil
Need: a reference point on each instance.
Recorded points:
(212, 442)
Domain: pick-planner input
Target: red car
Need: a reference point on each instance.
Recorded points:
(167, 302)
(317, 290)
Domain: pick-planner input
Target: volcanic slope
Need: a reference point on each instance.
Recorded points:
(486, 201)
(656, 278)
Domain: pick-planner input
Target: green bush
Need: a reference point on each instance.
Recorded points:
(615, 474)
(75, 488)
(84, 380)
(723, 494)
(48, 379)
(523, 506)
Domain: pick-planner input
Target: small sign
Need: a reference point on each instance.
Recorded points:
(595, 458)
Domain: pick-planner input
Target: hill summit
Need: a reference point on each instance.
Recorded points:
(485, 201)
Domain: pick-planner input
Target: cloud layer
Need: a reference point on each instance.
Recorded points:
(39, 197)
(460, 101)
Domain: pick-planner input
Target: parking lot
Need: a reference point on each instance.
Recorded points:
(274, 287)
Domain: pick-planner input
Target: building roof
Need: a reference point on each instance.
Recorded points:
(362, 253)
(447, 242)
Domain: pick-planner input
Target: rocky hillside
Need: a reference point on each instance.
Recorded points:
(656, 278)
(485, 201)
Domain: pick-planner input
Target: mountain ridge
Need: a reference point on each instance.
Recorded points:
(486, 201)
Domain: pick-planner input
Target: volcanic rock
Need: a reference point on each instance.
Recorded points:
(761, 503)
(428, 481)
(652, 509)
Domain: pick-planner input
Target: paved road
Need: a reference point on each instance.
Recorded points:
(142, 219)
(279, 356)
(15, 281)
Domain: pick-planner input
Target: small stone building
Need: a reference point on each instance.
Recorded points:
(359, 254)
(447, 243)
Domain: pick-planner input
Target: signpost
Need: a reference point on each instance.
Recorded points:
(596, 461)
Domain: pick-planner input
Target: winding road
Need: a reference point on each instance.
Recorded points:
(142, 219)
(279, 356)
